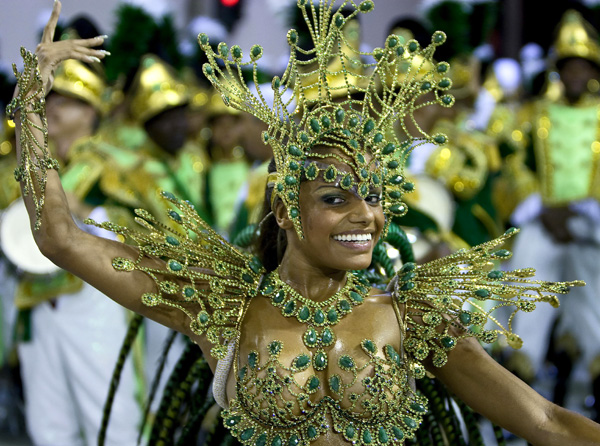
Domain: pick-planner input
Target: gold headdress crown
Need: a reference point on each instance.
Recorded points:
(357, 124)
(576, 37)
(155, 89)
(73, 78)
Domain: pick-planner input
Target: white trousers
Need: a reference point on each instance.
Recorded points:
(579, 309)
(66, 371)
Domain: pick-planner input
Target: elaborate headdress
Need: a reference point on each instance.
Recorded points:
(576, 37)
(75, 79)
(155, 89)
(358, 124)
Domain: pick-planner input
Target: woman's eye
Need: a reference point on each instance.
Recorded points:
(373, 198)
(333, 199)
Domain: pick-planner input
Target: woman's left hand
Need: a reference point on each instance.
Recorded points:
(50, 53)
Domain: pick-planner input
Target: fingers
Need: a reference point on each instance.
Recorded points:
(50, 28)
(94, 41)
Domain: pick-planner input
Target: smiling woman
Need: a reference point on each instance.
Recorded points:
(304, 349)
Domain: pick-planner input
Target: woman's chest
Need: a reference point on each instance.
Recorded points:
(283, 364)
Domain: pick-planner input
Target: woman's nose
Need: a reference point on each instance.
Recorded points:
(361, 211)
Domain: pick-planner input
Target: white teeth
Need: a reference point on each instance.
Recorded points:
(352, 237)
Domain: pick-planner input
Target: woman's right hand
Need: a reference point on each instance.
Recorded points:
(50, 53)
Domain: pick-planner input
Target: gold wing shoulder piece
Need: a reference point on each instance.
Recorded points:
(194, 269)
(35, 157)
(458, 296)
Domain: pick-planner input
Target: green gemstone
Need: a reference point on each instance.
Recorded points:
(408, 186)
(356, 297)
(408, 276)
(398, 433)
(236, 51)
(382, 435)
(448, 342)
(326, 122)
(378, 138)
(510, 231)
(425, 86)
(279, 187)
(395, 195)
(290, 180)
(366, 6)
(302, 361)
(447, 99)
(465, 317)
(375, 178)
(397, 208)
(330, 173)
(482, 293)
(203, 317)
(311, 432)
(369, 346)
(275, 347)
(353, 143)
(397, 179)
(327, 337)
(310, 337)
(345, 305)
(294, 150)
(293, 36)
(261, 441)
(389, 148)
(289, 307)
(207, 68)
(334, 383)
(439, 37)
(332, 315)
(439, 139)
(444, 83)
(408, 266)
(315, 126)
(320, 360)
(175, 265)
(293, 165)
(353, 122)
(256, 51)
(495, 274)
(294, 212)
(172, 241)
(242, 373)
(252, 358)
(346, 362)
(347, 181)
(413, 46)
(366, 436)
(294, 440)
(276, 441)
(233, 421)
(175, 216)
(247, 278)
(304, 314)
(339, 20)
(203, 39)
(247, 434)
(350, 431)
(364, 173)
(410, 422)
(278, 297)
(255, 265)
(189, 291)
(369, 126)
(502, 253)
(313, 383)
(442, 68)
(339, 115)
(417, 407)
(392, 42)
(319, 317)
(311, 173)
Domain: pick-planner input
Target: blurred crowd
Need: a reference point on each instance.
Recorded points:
(523, 150)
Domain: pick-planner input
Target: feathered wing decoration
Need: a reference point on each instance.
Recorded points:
(345, 98)
(200, 273)
(445, 299)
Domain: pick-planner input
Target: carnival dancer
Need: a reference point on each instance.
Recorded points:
(304, 350)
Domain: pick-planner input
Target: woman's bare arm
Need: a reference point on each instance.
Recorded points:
(497, 394)
(59, 238)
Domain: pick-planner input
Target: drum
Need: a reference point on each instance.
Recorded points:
(17, 243)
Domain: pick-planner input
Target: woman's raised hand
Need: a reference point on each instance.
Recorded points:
(50, 54)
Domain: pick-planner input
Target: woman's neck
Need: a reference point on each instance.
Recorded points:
(312, 282)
